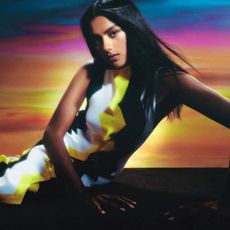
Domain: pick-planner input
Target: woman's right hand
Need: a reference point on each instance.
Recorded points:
(104, 201)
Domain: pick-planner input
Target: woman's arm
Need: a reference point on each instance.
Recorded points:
(205, 100)
(58, 126)
(56, 150)
(200, 97)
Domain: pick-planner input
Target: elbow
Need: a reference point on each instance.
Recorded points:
(51, 135)
(51, 141)
(47, 134)
(47, 138)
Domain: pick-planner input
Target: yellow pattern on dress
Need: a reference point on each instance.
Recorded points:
(29, 182)
(112, 119)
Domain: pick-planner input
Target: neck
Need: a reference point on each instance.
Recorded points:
(126, 69)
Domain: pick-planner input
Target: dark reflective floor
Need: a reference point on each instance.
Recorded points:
(157, 191)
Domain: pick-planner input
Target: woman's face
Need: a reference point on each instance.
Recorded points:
(110, 41)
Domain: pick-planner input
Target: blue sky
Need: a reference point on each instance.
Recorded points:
(160, 13)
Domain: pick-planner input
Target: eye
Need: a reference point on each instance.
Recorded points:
(113, 34)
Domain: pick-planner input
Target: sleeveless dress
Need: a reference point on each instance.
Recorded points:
(96, 141)
(99, 142)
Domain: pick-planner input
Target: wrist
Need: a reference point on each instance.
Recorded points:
(75, 189)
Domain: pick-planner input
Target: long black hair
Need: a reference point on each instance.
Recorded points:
(147, 53)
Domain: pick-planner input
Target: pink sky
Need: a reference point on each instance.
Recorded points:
(36, 69)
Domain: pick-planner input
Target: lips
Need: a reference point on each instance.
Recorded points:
(113, 57)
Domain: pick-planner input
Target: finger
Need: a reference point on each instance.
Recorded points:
(126, 201)
(169, 216)
(110, 202)
(98, 207)
(172, 218)
(211, 204)
(123, 199)
(118, 197)
(130, 203)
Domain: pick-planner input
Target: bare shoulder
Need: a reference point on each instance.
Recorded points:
(76, 91)
(82, 77)
(187, 80)
(179, 81)
(85, 71)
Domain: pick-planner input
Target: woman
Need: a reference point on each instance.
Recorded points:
(131, 85)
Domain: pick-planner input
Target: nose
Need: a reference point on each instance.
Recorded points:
(107, 45)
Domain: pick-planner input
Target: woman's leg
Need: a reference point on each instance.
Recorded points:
(34, 166)
(25, 174)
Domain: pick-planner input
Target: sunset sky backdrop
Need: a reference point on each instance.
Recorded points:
(41, 48)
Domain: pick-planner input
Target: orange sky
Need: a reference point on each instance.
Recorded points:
(31, 85)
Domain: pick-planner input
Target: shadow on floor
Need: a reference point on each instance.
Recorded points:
(156, 191)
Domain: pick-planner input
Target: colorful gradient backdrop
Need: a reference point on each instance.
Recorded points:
(41, 48)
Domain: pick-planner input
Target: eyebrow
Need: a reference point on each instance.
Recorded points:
(107, 30)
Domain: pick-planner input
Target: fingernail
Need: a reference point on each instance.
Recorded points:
(171, 218)
(122, 209)
(103, 212)
(166, 213)
(131, 206)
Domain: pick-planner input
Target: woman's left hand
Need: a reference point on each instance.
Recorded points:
(109, 200)
(184, 213)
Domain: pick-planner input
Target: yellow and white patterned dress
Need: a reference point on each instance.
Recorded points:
(108, 128)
